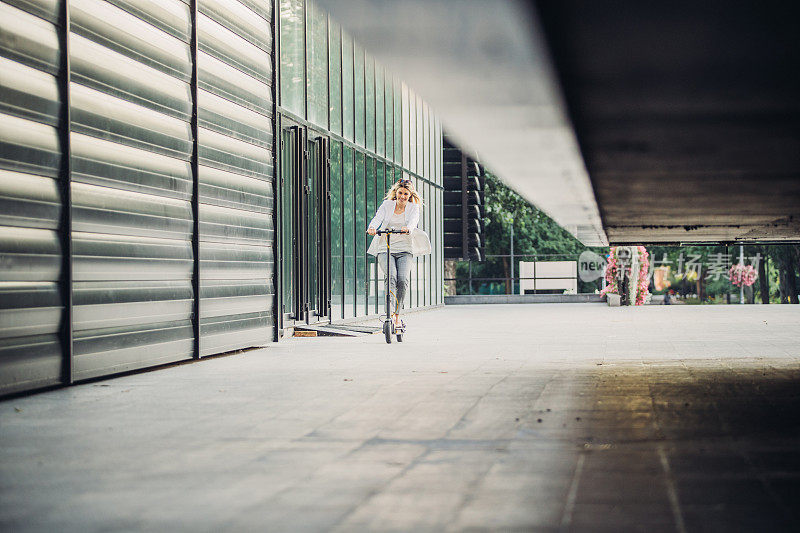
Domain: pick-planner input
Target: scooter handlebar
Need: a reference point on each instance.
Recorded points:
(384, 231)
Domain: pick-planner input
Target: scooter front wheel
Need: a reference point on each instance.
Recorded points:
(387, 331)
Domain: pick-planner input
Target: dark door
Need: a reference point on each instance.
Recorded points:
(318, 229)
(305, 226)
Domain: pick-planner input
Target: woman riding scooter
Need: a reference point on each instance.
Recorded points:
(400, 210)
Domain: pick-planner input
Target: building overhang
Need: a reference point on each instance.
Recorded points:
(485, 69)
(677, 122)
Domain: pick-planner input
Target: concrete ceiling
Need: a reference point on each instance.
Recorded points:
(687, 113)
(626, 122)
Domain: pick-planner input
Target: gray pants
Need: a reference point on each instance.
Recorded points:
(399, 263)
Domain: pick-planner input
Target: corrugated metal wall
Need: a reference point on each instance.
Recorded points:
(236, 173)
(30, 202)
(132, 184)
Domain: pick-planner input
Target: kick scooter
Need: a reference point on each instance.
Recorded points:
(389, 328)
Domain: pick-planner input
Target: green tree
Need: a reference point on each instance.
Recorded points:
(535, 234)
(786, 258)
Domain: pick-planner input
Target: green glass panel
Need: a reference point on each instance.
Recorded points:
(440, 235)
(437, 150)
(287, 229)
(358, 91)
(421, 259)
(317, 64)
(372, 293)
(405, 125)
(337, 281)
(398, 123)
(310, 250)
(335, 76)
(380, 192)
(348, 239)
(415, 269)
(425, 146)
(434, 151)
(347, 86)
(432, 145)
(293, 56)
(389, 116)
(361, 235)
(438, 265)
(380, 129)
(419, 138)
(417, 158)
(369, 88)
(428, 258)
(440, 151)
(412, 132)
(432, 222)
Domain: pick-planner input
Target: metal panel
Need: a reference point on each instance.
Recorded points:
(225, 80)
(46, 9)
(236, 175)
(96, 66)
(131, 220)
(219, 41)
(30, 205)
(171, 17)
(105, 24)
(28, 39)
(223, 116)
(107, 163)
(251, 23)
(28, 146)
(27, 92)
(131, 186)
(104, 116)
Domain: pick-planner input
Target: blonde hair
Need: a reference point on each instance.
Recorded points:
(405, 184)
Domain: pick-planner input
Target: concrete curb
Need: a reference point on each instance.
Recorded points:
(466, 299)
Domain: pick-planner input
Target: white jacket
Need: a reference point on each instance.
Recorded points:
(420, 243)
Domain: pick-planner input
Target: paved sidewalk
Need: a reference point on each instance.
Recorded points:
(562, 417)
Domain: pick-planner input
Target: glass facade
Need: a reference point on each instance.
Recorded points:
(379, 131)
(369, 92)
(317, 65)
(360, 198)
(337, 217)
(347, 87)
(293, 56)
(335, 76)
(371, 186)
(349, 233)
(358, 94)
